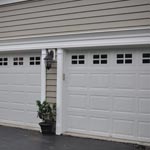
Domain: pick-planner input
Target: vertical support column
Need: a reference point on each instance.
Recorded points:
(59, 91)
(43, 76)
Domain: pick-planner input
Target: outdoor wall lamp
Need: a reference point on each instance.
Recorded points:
(49, 59)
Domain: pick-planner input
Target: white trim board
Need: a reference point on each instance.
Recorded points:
(101, 32)
(43, 76)
(141, 37)
(4, 2)
(59, 91)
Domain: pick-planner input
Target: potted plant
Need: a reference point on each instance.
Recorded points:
(47, 112)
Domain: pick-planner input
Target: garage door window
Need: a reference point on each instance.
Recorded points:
(34, 61)
(18, 61)
(146, 58)
(3, 61)
(124, 58)
(100, 59)
(77, 59)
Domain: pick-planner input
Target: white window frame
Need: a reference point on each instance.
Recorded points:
(18, 61)
(100, 59)
(145, 58)
(3, 61)
(124, 58)
(34, 61)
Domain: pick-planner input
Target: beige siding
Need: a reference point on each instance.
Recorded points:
(51, 84)
(50, 17)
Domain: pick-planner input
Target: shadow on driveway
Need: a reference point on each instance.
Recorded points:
(19, 139)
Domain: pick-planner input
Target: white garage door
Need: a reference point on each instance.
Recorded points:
(20, 80)
(107, 93)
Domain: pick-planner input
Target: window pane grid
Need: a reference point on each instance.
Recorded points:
(34, 61)
(124, 58)
(100, 59)
(18, 61)
(146, 58)
(146, 55)
(3, 61)
(77, 59)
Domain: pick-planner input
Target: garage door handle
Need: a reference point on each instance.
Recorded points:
(63, 76)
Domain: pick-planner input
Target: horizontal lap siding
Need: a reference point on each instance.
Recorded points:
(50, 17)
(51, 84)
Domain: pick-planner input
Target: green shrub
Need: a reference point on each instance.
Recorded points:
(46, 111)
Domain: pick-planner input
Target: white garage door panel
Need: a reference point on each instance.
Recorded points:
(143, 131)
(77, 80)
(77, 101)
(110, 99)
(99, 124)
(31, 97)
(144, 126)
(144, 106)
(77, 122)
(126, 105)
(100, 103)
(144, 81)
(123, 127)
(99, 81)
(20, 87)
(13, 106)
(122, 81)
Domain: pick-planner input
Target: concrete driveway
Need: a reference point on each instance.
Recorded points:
(19, 139)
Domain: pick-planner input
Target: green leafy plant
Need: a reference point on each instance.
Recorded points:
(46, 111)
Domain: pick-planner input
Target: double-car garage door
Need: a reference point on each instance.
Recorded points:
(107, 93)
(20, 82)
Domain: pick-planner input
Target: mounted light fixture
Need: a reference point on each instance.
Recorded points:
(49, 59)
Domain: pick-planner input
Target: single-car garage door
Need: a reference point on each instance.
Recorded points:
(20, 80)
(107, 93)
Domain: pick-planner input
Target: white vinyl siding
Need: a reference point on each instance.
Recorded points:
(34, 18)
